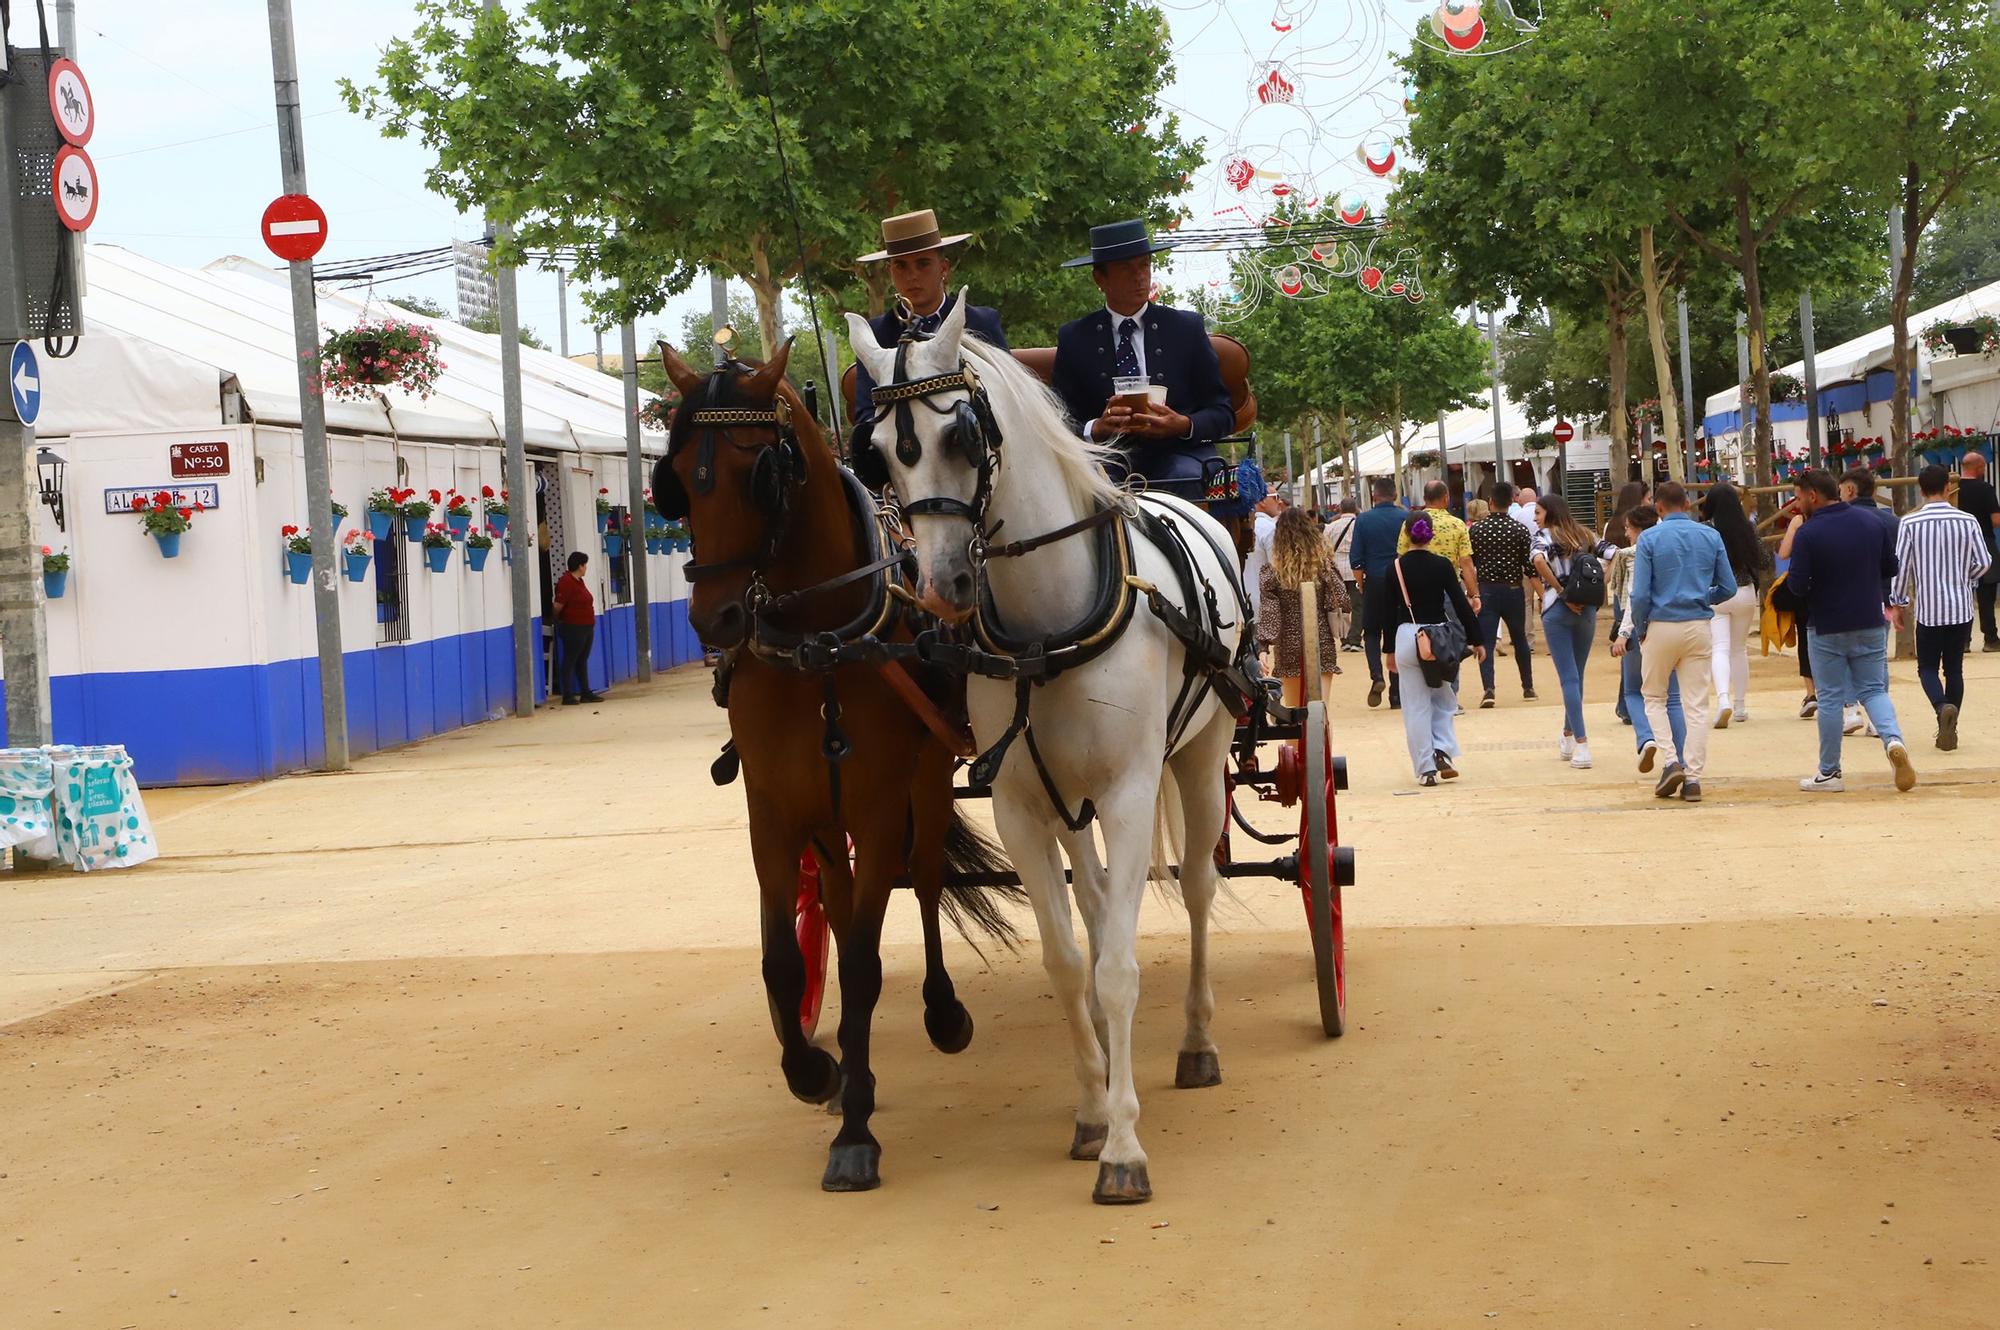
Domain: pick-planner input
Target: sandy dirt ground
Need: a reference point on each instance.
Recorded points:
(474, 1036)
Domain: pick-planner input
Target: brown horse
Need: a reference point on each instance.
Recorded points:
(829, 755)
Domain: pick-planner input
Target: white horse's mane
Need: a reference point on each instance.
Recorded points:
(1036, 406)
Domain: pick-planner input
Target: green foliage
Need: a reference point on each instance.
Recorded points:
(640, 134)
(426, 306)
(490, 323)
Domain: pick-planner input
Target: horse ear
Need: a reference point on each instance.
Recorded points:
(679, 371)
(764, 383)
(879, 363)
(953, 327)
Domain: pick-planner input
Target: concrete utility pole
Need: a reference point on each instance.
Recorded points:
(1687, 380)
(312, 407)
(1291, 476)
(1499, 447)
(562, 312)
(66, 27)
(635, 486)
(1812, 375)
(600, 349)
(521, 499)
(718, 311)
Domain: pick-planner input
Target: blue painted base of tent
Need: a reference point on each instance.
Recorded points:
(251, 722)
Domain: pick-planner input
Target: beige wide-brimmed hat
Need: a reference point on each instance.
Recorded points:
(911, 233)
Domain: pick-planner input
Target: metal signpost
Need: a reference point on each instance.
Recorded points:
(1499, 450)
(635, 485)
(296, 235)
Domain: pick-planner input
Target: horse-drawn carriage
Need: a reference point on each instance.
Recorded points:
(838, 614)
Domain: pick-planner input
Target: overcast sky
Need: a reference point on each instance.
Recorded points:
(187, 157)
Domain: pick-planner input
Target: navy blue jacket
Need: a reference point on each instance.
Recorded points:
(1375, 532)
(1840, 562)
(980, 320)
(1178, 354)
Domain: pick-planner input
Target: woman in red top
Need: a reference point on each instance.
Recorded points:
(576, 625)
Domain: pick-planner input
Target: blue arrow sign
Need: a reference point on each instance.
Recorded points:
(24, 377)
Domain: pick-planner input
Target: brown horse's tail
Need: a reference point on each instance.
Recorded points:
(973, 901)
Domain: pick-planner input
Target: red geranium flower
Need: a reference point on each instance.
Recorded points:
(436, 497)
(164, 499)
(485, 491)
(288, 531)
(604, 491)
(187, 514)
(139, 502)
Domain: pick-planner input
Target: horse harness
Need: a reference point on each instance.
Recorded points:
(1034, 662)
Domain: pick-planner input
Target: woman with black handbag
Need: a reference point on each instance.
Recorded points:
(1435, 628)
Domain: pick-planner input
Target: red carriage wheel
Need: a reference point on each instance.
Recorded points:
(1317, 880)
(810, 922)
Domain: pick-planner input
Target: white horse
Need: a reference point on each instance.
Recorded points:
(1101, 729)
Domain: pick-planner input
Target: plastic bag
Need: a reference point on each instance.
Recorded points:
(27, 820)
(100, 820)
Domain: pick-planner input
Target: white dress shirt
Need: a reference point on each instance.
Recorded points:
(1524, 513)
(1340, 535)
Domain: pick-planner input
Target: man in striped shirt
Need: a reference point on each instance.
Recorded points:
(1944, 552)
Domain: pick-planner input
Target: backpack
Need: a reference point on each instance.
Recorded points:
(1584, 583)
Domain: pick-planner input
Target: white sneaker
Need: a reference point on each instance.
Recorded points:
(1649, 753)
(1580, 758)
(1899, 758)
(1565, 748)
(1742, 713)
(1821, 783)
(1852, 720)
(1722, 717)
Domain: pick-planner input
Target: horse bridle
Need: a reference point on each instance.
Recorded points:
(775, 472)
(973, 429)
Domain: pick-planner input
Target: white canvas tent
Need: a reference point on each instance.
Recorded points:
(162, 345)
(1468, 436)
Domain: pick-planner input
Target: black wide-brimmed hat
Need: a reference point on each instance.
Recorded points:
(1119, 240)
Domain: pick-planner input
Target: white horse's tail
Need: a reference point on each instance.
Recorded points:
(1169, 835)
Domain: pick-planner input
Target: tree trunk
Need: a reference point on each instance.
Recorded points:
(1905, 359)
(1663, 371)
(769, 293)
(875, 277)
(1614, 377)
(1753, 328)
(1396, 439)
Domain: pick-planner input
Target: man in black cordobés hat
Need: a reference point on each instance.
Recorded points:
(1130, 341)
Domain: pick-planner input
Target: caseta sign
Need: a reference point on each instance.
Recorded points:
(185, 496)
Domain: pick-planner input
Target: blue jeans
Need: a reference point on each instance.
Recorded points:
(1427, 712)
(1634, 701)
(1569, 634)
(1504, 605)
(1852, 668)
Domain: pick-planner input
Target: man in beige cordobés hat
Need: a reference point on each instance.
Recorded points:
(920, 270)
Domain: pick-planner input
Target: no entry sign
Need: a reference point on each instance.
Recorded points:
(1564, 431)
(294, 227)
(75, 183)
(69, 102)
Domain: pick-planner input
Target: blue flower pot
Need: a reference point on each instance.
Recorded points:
(413, 528)
(170, 544)
(380, 524)
(459, 525)
(437, 557)
(53, 584)
(298, 567)
(614, 544)
(475, 556)
(498, 523)
(357, 567)
(682, 544)
(603, 520)
(656, 545)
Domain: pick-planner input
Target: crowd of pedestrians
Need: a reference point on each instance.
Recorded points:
(1419, 591)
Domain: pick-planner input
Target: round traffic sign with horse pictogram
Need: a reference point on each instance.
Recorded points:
(75, 183)
(70, 103)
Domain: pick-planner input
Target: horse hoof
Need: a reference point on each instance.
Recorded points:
(1193, 1071)
(950, 1028)
(853, 1168)
(1122, 1184)
(1088, 1142)
(819, 1081)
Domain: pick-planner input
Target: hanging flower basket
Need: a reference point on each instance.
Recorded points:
(416, 512)
(614, 544)
(457, 513)
(1979, 335)
(298, 553)
(356, 550)
(437, 546)
(656, 538)
(603, 508)
(658, 412)
(677, 537)
(1785, 388)
(381, 513)
(55, 573)
(388, 353)
(495, 506)
(165, 523)
(478, 545)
